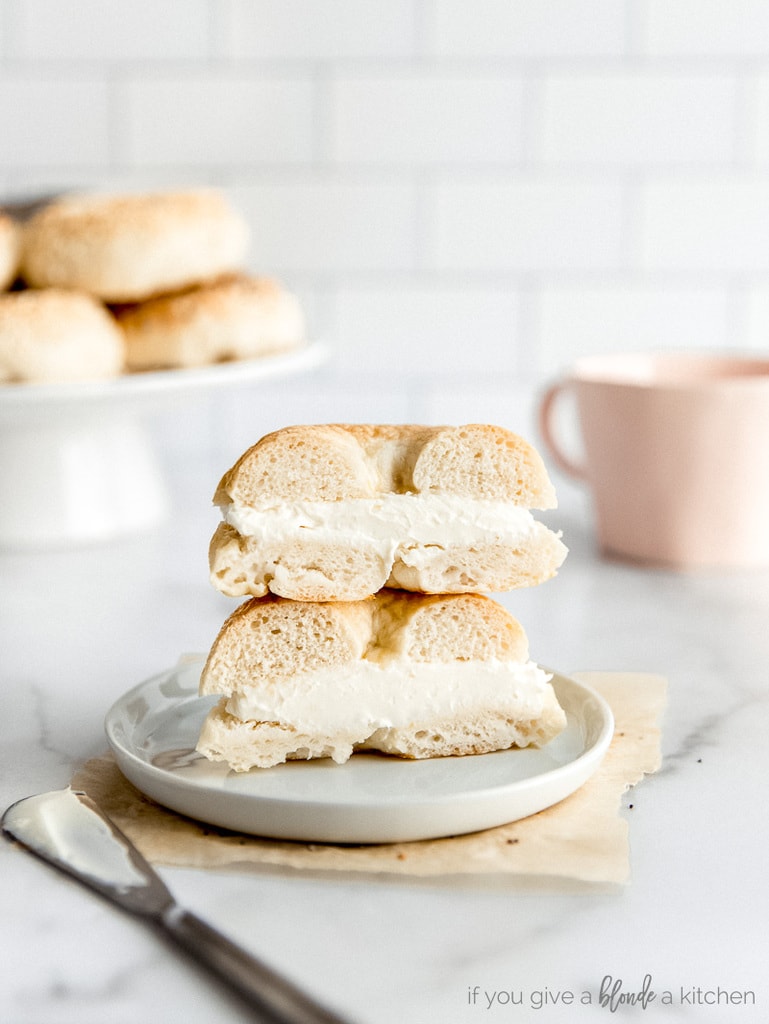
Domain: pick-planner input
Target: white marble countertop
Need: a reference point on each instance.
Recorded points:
(80, 627)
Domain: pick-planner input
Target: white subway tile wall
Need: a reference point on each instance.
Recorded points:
(216, 120)
(466, 196)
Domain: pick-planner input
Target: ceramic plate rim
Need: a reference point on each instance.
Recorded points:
(364, 820)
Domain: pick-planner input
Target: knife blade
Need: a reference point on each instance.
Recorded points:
(68, 830)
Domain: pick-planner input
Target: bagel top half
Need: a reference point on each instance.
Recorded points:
(334, 462)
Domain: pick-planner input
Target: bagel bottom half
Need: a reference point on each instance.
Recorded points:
(304, 567)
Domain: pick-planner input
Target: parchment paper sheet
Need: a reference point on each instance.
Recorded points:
(583, 839)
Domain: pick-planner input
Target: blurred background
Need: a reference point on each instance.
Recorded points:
(466, 196)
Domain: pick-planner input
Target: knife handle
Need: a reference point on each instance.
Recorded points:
(278, 1000)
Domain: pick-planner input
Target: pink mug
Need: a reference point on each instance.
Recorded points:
(676, 455)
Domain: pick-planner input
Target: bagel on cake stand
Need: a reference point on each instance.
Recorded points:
(122, 304)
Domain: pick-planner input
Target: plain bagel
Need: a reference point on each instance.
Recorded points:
(233, 317)
(127, 248)
(54, 335)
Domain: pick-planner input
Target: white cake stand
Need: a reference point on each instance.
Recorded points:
(76, 462)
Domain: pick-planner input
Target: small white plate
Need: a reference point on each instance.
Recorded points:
(372, 798)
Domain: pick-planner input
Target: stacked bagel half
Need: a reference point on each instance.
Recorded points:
(366, 554)
(98, 285)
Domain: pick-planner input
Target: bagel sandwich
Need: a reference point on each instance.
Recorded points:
(409, 675)
(337, 512)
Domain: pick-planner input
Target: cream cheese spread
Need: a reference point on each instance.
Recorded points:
(389, 522)
(64, 830)
(357, 699)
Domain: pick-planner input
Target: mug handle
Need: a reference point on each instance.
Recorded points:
(547, 416)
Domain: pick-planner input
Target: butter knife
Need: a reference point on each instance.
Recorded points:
(68, 830)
